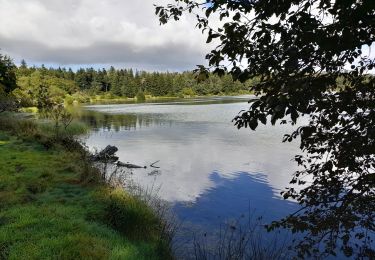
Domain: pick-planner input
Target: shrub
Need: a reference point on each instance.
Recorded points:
(68, 100)
(31, 110)
(81, 97)
(188, 92)
(141, 96)
(7, 102)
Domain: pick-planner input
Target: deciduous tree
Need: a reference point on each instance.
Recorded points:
(312, 59)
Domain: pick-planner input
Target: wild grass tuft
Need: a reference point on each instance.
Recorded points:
(130, 215)
(241, 239)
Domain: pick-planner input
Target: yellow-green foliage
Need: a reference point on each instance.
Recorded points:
(188, 92)
(81, 97)
(140, 96)
(68, 100)
(47, 213)
(58, 87)
(32, 110)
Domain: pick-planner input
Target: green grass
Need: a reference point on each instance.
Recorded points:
(29, 127)
(47, 212)
(75, 128)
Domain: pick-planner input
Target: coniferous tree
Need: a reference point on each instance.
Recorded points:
(7, 74)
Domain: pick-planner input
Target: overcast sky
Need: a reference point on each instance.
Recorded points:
(124, 33)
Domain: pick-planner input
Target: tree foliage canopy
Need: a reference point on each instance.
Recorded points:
(64, 83)
(7, 74)
(313, 61)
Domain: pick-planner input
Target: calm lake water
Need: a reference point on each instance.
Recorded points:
(209, 171)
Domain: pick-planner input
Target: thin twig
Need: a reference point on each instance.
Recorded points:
(153, 164)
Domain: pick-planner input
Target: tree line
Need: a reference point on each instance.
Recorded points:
(66, 84)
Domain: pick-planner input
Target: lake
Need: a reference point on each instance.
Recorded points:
(209, 171)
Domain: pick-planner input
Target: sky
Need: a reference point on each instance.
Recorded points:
(98, 33)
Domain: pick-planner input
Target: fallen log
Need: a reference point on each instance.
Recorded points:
(129, 165)
(108, 151)
(106, 155)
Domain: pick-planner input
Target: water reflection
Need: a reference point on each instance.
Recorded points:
(209, 170)
(191, 141)
(241, 200)
(241, 195)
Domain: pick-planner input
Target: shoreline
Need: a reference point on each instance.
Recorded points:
(54, 205)
(124, 100)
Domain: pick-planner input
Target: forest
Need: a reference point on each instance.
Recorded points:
(89, 84)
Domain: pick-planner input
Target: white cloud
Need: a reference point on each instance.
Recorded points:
(119, 32)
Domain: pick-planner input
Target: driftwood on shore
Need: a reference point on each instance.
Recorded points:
(130, 166)
(106, 155)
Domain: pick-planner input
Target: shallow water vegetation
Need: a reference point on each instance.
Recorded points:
(137, 206)
(242, 238)
(54, 205)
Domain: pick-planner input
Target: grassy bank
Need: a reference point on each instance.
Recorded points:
(54, 206)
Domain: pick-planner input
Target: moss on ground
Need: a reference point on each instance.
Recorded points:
(46, 212)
